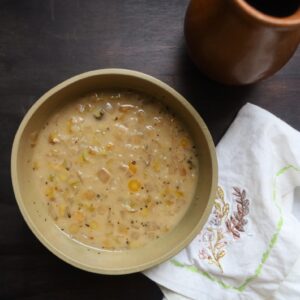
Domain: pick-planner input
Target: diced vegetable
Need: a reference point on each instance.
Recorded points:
(156, 166)
(179, 193)
(104, 175)
(94, 225)
(78, 217)
(73, 182)
(182, 171)
(132, 167)
(74, 228)
(63, 174)
(89, 195)
(129, 208)
(33, 138)
(144, 212)
(134, 185)
(169, 202)
(84, 157)
(109, 146)
(99, 113)
(122, 229)
(53, 138)
(126, 107)
(61, 210)
(50, 192)
(184, 143)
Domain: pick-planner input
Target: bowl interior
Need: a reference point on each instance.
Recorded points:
(35, 211)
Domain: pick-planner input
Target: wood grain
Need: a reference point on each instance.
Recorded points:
(44, 42)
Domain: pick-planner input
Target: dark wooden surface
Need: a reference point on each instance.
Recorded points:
(44, 42)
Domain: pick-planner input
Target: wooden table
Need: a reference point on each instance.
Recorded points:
(43, 43)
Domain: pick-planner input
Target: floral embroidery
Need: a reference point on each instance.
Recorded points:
(264, 255)
(216, 234)
(236, 223)
(214, 252)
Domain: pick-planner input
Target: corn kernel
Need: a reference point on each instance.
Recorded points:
(184, 143)
(74, 228)
(132, 168)
(84, 156)
(73, 181)
(106, 244)
(94, 225)
(179, 194)
(63, 175)
(78, 216)
(61, 210)
(89, 195)
(69, 126)
(144, 212)
(156, 166)
(122, 229)
(169, 202)
(134, 185)
(134, 244)
(91, 208)
(49, 193)
(51, 177)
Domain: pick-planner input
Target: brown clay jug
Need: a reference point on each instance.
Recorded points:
(233, 42)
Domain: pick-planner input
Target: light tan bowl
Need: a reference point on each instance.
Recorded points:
(35, 211)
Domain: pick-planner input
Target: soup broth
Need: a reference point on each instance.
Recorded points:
(116, 169)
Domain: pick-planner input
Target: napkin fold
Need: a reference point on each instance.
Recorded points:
(250, 245)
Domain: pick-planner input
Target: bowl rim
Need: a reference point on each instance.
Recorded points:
(76, 263)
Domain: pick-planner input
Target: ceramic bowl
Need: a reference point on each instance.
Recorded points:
(35, 211)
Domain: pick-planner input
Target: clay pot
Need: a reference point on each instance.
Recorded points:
(234, 43)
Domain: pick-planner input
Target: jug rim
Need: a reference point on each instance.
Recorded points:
(249, 10)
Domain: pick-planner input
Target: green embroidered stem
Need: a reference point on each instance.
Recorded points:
(265, 255)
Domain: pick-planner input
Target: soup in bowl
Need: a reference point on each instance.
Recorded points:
(114, 171)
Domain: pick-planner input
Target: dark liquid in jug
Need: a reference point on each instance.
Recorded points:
(276, 8)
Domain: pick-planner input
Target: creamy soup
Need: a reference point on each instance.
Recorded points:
(115, 168)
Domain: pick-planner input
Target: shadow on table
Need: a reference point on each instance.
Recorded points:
(218, 104)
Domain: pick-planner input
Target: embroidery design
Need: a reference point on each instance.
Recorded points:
(216, 234)
(265, 255)
(238, 220)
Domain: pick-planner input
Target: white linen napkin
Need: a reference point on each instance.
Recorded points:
(249, 247)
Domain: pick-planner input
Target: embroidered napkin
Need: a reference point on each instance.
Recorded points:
(251, 242)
